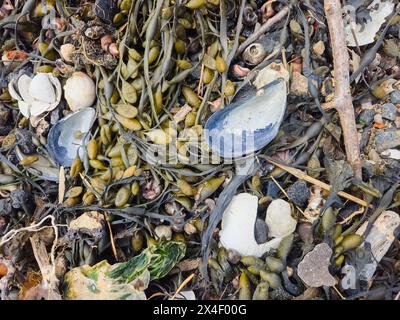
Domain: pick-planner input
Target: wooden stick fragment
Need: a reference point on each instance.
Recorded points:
(342, 101)
(303, 176)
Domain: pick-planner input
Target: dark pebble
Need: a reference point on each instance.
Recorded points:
(299, 193)
(395, 97)
(260, 231)
(272, 189)
(367, 116)
(389, 111)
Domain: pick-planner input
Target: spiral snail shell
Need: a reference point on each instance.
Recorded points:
(254, 54)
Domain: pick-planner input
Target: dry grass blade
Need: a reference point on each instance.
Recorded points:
(183, 284)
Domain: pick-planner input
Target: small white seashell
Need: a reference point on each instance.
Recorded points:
(36, 95)
(279, 219)
(79, 91)
(66, 51)
(238, 227)
(42, 89)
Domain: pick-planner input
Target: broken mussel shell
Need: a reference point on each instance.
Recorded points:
(68, 136)
(247, 125)
(41, 167)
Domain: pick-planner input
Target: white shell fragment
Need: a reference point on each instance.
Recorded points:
(313, 269)
(79, 91)
(238, 227)
(36, 95)
(315, 204)
(391, 153)
(365, 34)
(270, 73)
(380, 238)
(279, 219)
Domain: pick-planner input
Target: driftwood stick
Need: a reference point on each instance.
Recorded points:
(342, 97)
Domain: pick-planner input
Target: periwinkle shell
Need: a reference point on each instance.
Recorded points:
(249, 124)
(67, 137)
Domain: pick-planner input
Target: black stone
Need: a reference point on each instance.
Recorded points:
(260, 231)
(299, 193)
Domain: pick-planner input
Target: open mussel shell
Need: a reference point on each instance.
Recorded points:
(42, 168)
(247, 125)
(69, 136)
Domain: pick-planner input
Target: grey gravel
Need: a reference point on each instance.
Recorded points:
(395, 97)
(367, 116)
(386, 139)
(389, 111)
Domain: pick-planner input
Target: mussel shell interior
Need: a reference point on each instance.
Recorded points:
(69, 135)
(248, 125)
